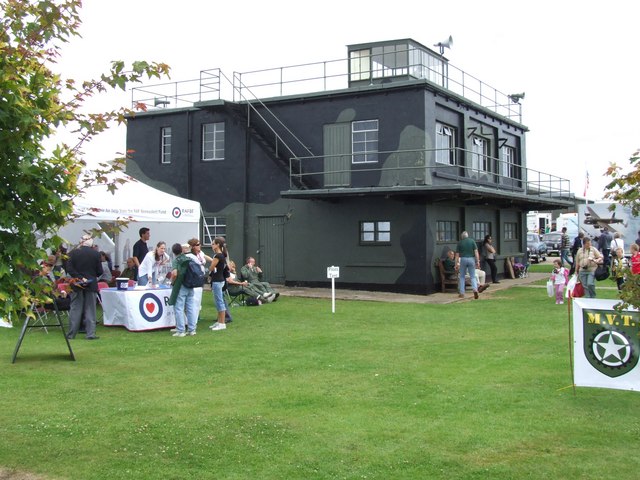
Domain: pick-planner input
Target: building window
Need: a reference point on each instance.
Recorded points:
(479, 230)
(213, 141)
(510, 167)
(480, 162)
(446, 231)
(511, 231)
(445, 144)
(364, 141)
(360, 65)
(165, 141)
(375, 233)
(213, 227)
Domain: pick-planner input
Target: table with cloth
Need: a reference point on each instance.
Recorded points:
(138, 309)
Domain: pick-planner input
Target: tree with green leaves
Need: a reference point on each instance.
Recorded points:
(38, 185)
(624, 189)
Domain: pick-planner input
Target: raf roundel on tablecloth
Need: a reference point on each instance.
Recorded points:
(176, 212)
(150, 307)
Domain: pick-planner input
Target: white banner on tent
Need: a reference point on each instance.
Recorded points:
(137, 200)
(606, 345)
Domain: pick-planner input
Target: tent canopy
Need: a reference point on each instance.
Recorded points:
(172, 219)
(137, 201)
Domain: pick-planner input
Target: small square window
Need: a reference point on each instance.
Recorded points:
(375, 233)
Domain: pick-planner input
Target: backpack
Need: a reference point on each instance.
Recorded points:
(194, 277)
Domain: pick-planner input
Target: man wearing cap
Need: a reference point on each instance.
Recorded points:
(85, 267)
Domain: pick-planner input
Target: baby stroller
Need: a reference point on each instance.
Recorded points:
(520, 270)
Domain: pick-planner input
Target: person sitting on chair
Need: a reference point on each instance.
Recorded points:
(253, 274)
(60, 297)
(449, 264)
(131, 272)
(236, 287)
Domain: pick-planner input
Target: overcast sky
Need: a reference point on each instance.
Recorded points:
(577, 61)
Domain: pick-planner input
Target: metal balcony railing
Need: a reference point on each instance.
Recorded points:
(417, 168)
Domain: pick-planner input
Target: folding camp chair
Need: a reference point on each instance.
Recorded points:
(40, 316)
(236, 299)
(101, 286)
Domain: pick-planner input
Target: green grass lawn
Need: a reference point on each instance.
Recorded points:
(470, 390)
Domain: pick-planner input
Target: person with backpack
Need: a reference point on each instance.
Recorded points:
(217, 274)
(195, 252)
(182, 294)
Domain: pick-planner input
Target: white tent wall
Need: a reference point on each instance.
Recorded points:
(171, 219)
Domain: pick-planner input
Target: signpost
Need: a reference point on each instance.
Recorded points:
(333, 273)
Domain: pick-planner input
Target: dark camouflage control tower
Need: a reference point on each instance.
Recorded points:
(374, 163)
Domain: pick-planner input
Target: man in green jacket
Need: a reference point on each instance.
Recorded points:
(182, 298)
(467, 260)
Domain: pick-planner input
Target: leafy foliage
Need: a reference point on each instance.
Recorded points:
(623, 189)
(37, 187)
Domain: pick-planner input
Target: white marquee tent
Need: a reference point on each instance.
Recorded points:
(172, 219)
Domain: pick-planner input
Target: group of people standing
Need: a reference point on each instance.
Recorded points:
(85, 267)
(586, 258)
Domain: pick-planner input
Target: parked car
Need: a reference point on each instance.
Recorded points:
(536, 248)
(553, 241)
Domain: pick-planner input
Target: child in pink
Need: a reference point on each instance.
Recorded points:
(559, 277)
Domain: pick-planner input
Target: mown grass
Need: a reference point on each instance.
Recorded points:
(470, 390)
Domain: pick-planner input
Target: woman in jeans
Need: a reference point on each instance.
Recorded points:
(216, 270)
(490, 257)
(587, 260)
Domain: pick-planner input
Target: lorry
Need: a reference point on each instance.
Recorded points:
(539, 222)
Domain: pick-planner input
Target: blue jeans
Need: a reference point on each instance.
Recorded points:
(185, 300)
(218, 296)
(143, 280)
(588, 281)
(467, 265)
(564, 257)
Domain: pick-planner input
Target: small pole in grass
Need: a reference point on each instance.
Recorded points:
(333, 273)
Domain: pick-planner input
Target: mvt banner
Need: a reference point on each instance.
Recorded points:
(606, 345)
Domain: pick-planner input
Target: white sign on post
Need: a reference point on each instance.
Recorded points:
(333, 273)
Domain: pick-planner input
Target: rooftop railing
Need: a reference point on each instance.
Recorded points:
(316, 78)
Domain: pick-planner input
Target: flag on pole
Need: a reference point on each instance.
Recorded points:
(586, 184)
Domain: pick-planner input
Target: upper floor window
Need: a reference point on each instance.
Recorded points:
(445, 144)
(213, 141)
(510, 167)
(165, 145)
(375, 232)
(360, 64)
(480, 161)
(364, 141)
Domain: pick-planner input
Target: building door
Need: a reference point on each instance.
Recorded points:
(337, 167)
(271, 248)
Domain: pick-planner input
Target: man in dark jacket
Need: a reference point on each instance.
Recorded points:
(85, 267)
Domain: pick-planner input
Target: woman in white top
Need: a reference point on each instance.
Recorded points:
(152, 263)
(616, 243)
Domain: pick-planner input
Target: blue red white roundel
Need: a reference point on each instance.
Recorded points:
(176, 212)
(150, 307)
